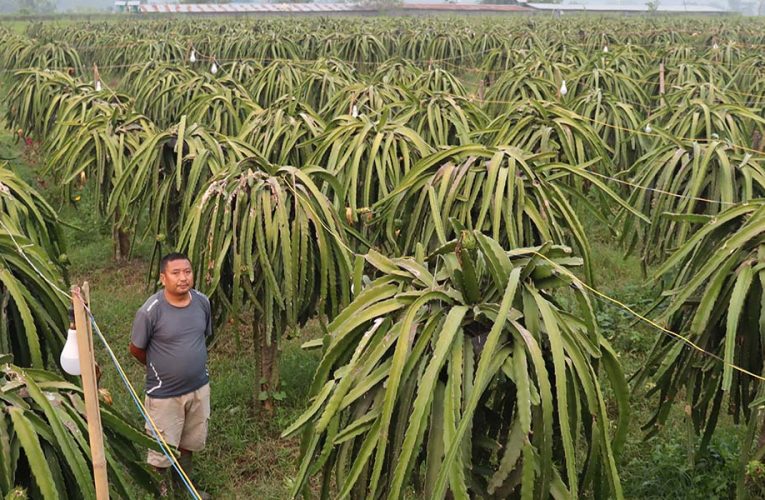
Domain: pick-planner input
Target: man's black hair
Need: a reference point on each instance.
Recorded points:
(169, 258)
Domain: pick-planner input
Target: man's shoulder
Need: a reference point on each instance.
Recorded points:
(196, 294)
(151, 303)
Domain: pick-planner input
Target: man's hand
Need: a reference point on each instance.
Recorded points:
(138, 353)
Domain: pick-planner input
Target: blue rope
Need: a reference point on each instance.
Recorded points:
(138, 404)
(116, 362)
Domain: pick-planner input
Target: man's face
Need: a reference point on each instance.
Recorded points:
(178, 277)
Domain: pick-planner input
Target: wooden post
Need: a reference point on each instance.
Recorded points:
(661, 79)
(90, 390)
(85, 294)
(661, 84)
(96, 74)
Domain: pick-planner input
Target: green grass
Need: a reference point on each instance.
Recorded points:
(662, 467)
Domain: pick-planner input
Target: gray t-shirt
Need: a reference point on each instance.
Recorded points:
(174, 340)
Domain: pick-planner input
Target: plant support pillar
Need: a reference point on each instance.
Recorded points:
(90, 390)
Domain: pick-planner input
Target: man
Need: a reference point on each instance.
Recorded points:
(168, 336)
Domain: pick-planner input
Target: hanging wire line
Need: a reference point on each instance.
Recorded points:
(668, 69)
(660, 191)
(593, 46)
(723, 91)
(211, 58)
(445, 60)
(680, 139)
(482, 101)
(646, 107)
(23, 254)
(603, 296)
(306, 62)
(733, 145)
(430, 60)
(468, 54)
(476, 99)
(157, 434)
(652, 323)
(589, 46)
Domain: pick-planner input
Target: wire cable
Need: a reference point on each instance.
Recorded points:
(626, 129)
(652, 323)
(612, 300)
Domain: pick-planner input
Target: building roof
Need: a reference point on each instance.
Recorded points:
(700, 9)
(463, 7)
(214, 8)
(318, 8)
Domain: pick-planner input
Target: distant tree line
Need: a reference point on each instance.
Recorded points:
(27, 7)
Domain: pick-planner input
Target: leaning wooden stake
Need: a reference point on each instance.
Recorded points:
(90, 390)
(661, 79)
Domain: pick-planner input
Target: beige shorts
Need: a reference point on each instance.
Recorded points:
(181, 420)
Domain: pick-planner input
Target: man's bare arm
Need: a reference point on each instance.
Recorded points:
(138, 353)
